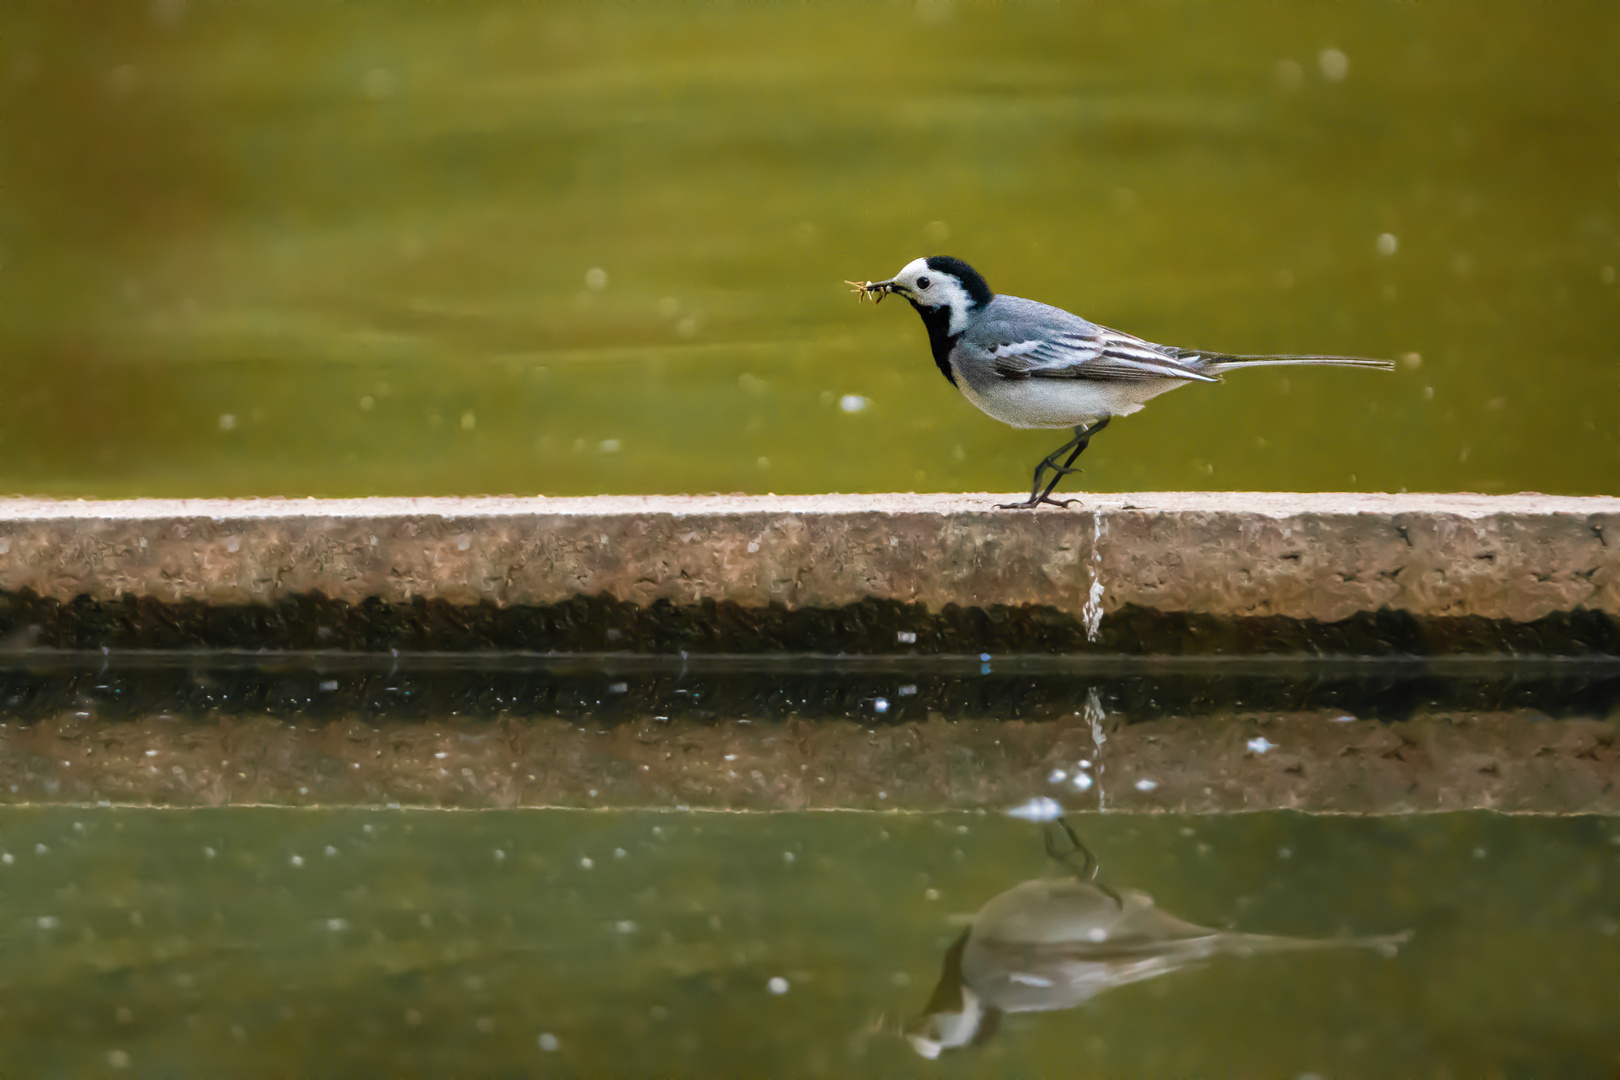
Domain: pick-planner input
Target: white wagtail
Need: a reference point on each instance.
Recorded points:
(1036, 366)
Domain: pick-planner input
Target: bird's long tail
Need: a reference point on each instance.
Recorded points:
(1216, 363)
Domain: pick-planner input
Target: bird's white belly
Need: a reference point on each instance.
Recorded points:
(1062, 403)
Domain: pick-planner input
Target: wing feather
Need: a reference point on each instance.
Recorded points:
(1101, 354)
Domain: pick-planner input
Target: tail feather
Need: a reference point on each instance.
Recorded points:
(1219, 362)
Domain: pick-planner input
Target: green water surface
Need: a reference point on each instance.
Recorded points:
(346, 249)
(266, 942)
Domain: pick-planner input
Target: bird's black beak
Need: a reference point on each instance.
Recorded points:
(877, 290)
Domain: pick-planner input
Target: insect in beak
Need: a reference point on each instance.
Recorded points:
(877, 290)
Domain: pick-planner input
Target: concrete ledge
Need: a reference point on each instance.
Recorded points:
(1237, 572)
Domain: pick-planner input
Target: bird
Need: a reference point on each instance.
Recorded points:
(1032, 365)
(1054, 943)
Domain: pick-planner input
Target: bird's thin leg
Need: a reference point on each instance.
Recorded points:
(1088, 870)
(1047, 462)
(1082, 439)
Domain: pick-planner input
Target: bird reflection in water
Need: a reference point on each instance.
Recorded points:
(1053, 943)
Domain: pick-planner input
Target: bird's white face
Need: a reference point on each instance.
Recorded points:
(934, 1032)
(933, 289)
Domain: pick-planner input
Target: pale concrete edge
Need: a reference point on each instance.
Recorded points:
(1266, 504)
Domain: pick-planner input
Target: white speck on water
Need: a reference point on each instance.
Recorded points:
(1285, 853)
(1387, 244)
(853, 403)
(906, 637)
(227, 422)
(500, 856)
(331, 852)
(880, 705)
(47, 922)
(777, 985)
(41, 849)
(1082, 781)
(1479, 853)
(1261, 745)
(619, 688)
(377, 84)
(7, 858)
(1057, 777)
(1289, 74)
(625, 926)
(930, 894)
(1039, 808)
(329, 685)
(1344, 719)
(585, 862)
(619, 853)
(610, 446)
(209, 853)
(151, 753)
(548, 1042)
(296, 860)
(336, 925)
(367, 403)
(883, 795)
(1097, 933)
(1145, 784)
(441, 755)
(596, 279)
(1334, 64)
(787, 856)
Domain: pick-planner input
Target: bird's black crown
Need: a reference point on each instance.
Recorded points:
(971, 280)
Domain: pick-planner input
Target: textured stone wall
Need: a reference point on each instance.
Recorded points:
(1323, 557)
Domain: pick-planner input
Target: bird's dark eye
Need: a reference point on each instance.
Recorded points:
(922, 283)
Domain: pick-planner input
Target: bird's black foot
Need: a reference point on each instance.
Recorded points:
(1037, 500)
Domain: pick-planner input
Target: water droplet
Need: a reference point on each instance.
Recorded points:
(1039, 808)
(853, 403)
(1334, 64)
(548, 1042)
(777, 985)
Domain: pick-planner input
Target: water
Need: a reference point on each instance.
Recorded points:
(505, 247)
(324, 942)
(325, 864)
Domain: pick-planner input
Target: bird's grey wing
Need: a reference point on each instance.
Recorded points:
(1048, 343)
